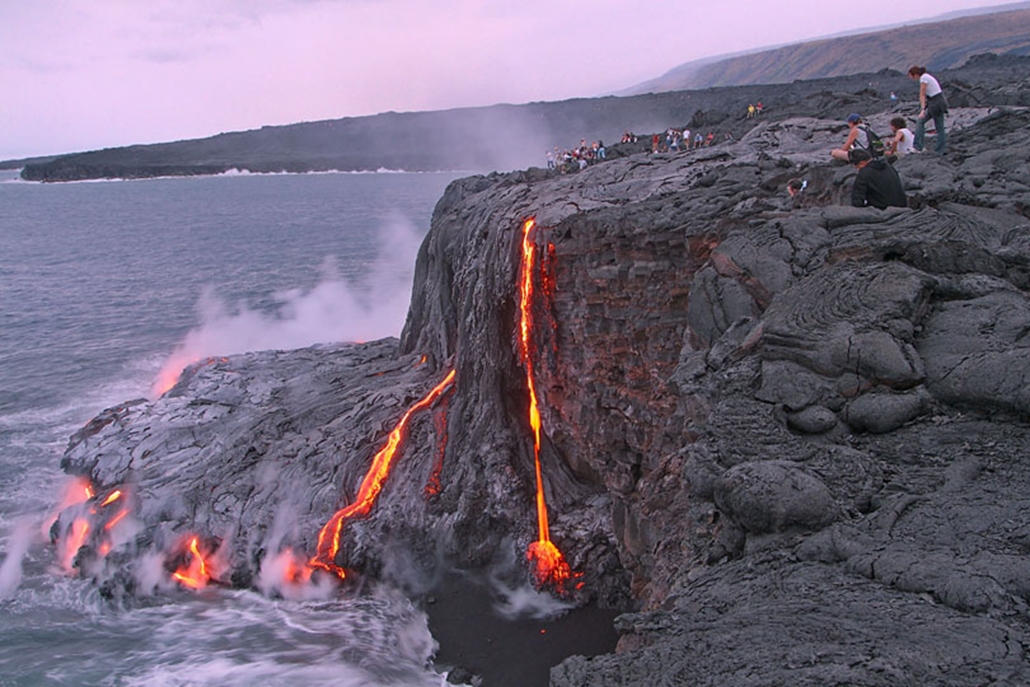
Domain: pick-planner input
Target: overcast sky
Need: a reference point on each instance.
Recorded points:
(86, 74)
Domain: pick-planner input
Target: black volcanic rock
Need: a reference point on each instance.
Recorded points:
(796, 438)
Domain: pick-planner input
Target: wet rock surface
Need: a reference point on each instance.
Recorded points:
(793, 439)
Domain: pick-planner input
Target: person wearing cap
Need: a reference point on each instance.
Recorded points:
(857, 137)
(877, 184)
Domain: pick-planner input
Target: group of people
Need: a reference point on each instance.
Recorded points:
(680, 139)
(574, 159)
(877, 184)
(674, 140)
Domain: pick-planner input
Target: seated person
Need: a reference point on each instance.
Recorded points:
(903, 141)
(796, 191)
(877, 184)
(857, 138)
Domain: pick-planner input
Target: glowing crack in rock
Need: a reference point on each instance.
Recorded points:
(371, 485)
(549, 566)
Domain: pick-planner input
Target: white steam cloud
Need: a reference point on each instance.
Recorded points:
(526, 602)
(11, 570)
(333, 310)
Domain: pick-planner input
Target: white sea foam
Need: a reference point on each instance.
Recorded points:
(242, 638)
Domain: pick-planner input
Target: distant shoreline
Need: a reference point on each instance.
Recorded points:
(231, 174)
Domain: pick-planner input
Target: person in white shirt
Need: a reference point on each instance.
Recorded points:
(932, 105)
(903, 141)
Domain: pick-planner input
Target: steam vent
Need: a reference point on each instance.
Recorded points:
(790, 444)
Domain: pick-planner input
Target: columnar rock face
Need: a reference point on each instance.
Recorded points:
(795, 437)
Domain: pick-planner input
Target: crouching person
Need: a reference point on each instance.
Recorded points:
(877, 184)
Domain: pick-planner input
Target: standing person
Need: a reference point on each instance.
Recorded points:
(877, 185)
(903, 141)
(932, 105)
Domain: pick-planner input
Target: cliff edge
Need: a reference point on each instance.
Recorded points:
(792, 439)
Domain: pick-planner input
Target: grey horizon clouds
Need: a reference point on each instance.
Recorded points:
(85, 74)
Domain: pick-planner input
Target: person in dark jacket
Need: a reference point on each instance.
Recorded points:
(877, 184)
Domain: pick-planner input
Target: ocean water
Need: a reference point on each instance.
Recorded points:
(104, 288)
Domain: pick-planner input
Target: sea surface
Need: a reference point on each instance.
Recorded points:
(105, 287)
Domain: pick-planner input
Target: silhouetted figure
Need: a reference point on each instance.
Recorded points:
(877, 184)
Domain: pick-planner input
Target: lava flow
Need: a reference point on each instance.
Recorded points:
(195, 575)
(550, 566)
(371, 485)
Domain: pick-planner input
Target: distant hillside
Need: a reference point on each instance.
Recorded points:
(937, 45)
(500, 137)
(504, 137)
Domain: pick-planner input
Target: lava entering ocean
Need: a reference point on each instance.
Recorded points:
(371, 485)
(195, 575)
(550, 567)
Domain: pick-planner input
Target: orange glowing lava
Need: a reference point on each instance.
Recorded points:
(172, 371)
(294, 572)
(433, 485)
(549, 565)
(115, 495)
(76, 539)
(75, 492)
(371, 485)
(195, 575)
(166, 379)
(113, 522)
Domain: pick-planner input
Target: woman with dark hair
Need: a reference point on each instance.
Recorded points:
(932, 105)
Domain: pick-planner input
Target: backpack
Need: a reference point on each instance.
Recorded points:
(876, 146)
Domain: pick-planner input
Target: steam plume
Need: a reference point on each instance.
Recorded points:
(10, 570)
(333, 310)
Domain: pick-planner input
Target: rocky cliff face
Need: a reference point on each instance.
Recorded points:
(794, 438)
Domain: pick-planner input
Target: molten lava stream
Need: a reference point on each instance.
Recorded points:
(80, 529)
(549, 564)
(115, 495)
(195, 575)
(371, 485)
